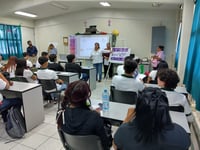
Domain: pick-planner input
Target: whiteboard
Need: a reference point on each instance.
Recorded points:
(85, 44)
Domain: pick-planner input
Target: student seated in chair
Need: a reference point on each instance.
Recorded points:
(78, 118)
(44, 54)
(28, 62)
(52, 63)
(6, 103)
(45, 73)
(149, 126)
(168, 80)
(23, 71)
(152, 77)
(71, 66)
(126, 81)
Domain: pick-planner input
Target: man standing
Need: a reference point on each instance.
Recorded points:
(32, 52)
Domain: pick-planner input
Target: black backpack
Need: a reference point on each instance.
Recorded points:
(15, 125)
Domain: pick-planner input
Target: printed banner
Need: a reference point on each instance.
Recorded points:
(118, 54)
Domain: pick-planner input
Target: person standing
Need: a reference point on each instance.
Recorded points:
(97, 61)
(32, 52)
(155, 60)
(52, 49)
(106, 62)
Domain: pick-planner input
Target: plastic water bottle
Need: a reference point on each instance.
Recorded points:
(105, 99)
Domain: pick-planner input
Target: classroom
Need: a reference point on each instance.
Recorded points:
(58, 21)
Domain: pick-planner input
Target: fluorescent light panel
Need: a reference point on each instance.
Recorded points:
(25, 14)
(105, 4)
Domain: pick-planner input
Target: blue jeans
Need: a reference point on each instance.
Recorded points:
(61, 87)
(7, 103)
(98, 67)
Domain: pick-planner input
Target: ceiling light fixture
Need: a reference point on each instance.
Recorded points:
(25, 14)
(105, 4)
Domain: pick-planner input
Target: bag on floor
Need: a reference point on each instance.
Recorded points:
(15, 125)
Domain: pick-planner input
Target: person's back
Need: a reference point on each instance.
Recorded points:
(53, 65)
(44, 72)
(149, 127)
(167, 138)
(71, 66)
(23, 71)
(78, 118)
(126, 82)
(168, 80)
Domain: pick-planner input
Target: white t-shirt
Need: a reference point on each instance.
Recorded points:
(120, 69)
(178, 99)
(124, 83)
(153, 74)
(46, 74)
(37, 65)
(97, 56)
(2, 86)
(28, 74)
(29, 63)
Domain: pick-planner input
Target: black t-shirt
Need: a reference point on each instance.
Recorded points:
(82, 121)
(73, 67)
(172, 138)
(55, 67)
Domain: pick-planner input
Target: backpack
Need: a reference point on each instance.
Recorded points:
(15, 125)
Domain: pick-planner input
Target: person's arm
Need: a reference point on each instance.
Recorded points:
(130, 115)
(101, 133)
(6, 81)
(36, 51)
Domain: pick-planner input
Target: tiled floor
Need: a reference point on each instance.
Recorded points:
(45, 136)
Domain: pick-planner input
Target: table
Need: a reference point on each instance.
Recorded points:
(68, 77)
(32, 102)
(91, 71)
(118, 111)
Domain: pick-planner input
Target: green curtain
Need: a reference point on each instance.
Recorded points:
(10, 41)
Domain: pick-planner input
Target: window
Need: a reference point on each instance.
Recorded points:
(10, 41)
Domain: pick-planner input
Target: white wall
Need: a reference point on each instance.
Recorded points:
(135, 27)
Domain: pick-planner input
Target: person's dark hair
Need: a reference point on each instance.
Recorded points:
(70, 57)
(28, 42)
(44, 53)
(21, 65)
(77, 93)
(42, 60)
(129, 65)
(25, 54)
(97, 44)
(152, 114)
(170, 77)
(161, 47)
(163, 65)
(52, 57)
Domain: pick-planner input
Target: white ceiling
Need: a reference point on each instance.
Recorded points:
(49, 8)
